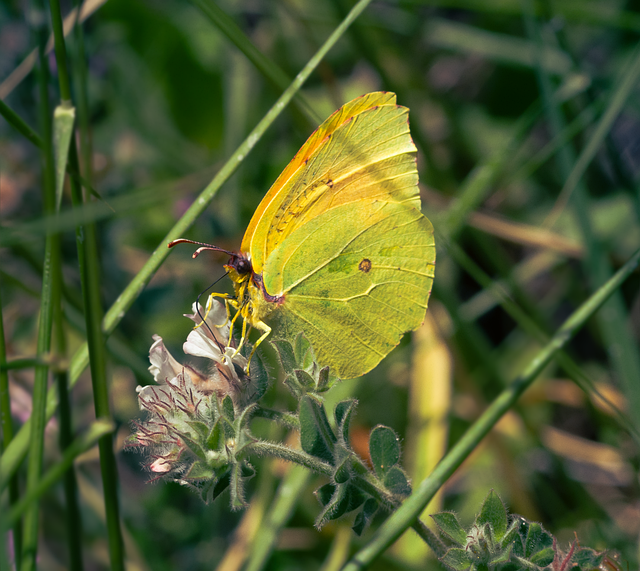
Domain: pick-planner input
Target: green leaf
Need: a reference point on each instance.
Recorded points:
(384, 449)
(543, 557)
(199, 471)
(227, 408)
(324, 493)
(286, 354)
(512, 538)
(200, 428)
(316, 436)
(365, 516)
(342, 473)
(325, 380)
(494, 513)
(224, 479)
(537, 539)
(587, 559)
(259, 377)
(503, 556)
(336, 507)
(304, 379)
(396, 481)
(194, 446)
(303, 352)
(457, 559)
(344, 498)
(215, 438)
(63, 119)
(342, 414)
(448, 524)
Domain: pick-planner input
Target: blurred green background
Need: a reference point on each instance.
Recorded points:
(506, 98)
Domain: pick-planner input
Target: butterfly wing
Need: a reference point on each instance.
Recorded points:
(354, 278)
(364, 150)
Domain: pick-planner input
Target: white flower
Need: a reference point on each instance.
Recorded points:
(184, 397)
(210, 339)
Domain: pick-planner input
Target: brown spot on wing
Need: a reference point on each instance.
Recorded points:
(364, 265)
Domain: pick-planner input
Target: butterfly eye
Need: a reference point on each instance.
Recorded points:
(241, 265)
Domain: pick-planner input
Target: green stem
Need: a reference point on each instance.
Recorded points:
(38, 418)
(266, 448)
(262, 63)
(19, 124)
(406, 514)
(16, 451)
(367, 483)
(86, 241)
(6, 425)
(73, 518)
(529, 325)
(286, 419)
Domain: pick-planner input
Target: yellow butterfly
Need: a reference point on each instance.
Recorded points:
(338, 248)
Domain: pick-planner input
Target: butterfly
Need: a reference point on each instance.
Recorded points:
(338, 248)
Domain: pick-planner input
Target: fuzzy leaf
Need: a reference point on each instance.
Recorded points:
(324, 493)
(291, 382)
(365, 516)
(227, 408)
(384, 449)
(224, 479)
(502, 556)
(520, 527)
(588, 559)
(199, 471)
(259, 377)
(448, 524)
(325, 380)
(344, 498)
(342, 415)
(543, 557)
(395, 480)
(342, 473)
(456, 559)
(537, 540)
(303, 352)
(214, 439)
(200, 429)
(316, 436)
(286, 354)
(194, 446)
(337, 506)
(304, 379)
(494, 513)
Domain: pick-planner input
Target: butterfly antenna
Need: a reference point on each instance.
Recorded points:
(202, 245)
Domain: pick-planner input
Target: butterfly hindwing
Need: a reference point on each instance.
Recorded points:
(354, 281)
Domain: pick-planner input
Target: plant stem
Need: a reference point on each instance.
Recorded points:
(90, 281)
(6, 424)
(38, 418)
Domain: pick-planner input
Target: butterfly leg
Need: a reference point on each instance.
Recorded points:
(209, 306)
(266, 330)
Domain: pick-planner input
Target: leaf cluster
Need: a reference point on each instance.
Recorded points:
(497, 541)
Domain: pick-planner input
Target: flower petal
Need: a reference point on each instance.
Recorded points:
(164, 367)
